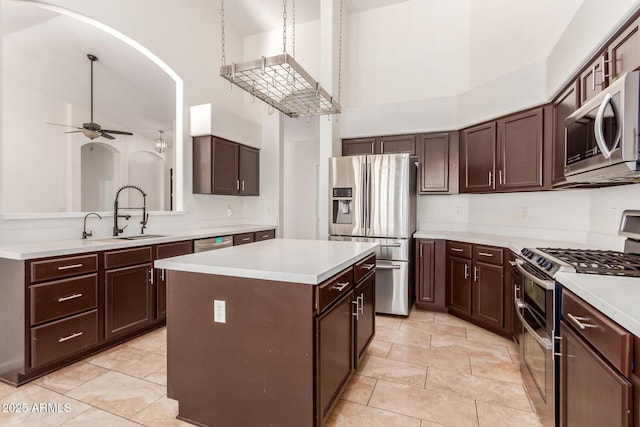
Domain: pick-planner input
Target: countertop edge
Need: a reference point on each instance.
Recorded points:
(27, 251)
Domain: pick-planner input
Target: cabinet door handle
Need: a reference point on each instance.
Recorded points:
(243, 185)
(466, 271)
(70, 337)
(69, 297)
(151, 276)
(360, 300)
(457, 250)
(67, 267)
(340, 286)
(485, 254)
(162, 274)
(237, 185)
(476, 273)
(500, 176)
(355, 313)
(490, 179)
(579, 321)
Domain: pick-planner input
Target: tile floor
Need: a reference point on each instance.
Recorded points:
(430, 369)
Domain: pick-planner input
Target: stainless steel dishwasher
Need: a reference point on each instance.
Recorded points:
(211, 243)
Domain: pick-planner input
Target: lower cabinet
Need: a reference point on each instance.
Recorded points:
(128, 299)
(365, 301)
(430, 274)
(475, 284)
(635, 379)
(595, 367)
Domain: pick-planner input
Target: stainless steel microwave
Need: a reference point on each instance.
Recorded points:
(601, 137)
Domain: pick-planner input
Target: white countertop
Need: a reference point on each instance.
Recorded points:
(515, 243)
(616, 297)
(287, 260)
(24, 251)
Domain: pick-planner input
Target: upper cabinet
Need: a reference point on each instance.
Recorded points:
(478, 158)
(380, 145)
(593, 79)
(507, 154)
(624, 51)
(565, 104)
(225, 167)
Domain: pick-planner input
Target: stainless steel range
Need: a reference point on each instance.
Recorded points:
(538, 298)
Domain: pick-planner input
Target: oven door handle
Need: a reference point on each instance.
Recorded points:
(546, 284)
(544, 342)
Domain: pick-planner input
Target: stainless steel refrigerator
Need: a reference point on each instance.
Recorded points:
(373, 198)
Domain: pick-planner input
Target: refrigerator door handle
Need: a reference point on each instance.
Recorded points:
(368, 192)
(363, 181)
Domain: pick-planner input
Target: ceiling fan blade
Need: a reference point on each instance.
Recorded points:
(106, 135)
(74, 131)
(117, 132)
(69, 126)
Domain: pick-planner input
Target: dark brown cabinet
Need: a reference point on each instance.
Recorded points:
(62, 307)
(225, 167)
(243, 238)
(166, 250)
(478, 158)
(635, 379)
(601, 397)
(475, 284)
(380, 145)
(624, 51)
(434, 162)
(593, 79)
(364, 298)
(593, 343)
(565, 104)
(520, 150)
(430, 274)
(129, 290)
(506, 155)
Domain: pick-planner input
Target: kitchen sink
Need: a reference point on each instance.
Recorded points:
(141, 237)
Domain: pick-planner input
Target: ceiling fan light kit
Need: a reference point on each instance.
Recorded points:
(280, 81)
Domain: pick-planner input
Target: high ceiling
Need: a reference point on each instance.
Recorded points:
(257, 16)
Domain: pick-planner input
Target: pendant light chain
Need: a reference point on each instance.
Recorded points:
(293, 29)
(340, 55)
(284, 27)
(224, 59)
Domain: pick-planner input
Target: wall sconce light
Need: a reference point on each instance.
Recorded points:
(160, 144)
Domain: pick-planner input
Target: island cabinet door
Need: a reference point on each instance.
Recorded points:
(364, 302)
(334, 354)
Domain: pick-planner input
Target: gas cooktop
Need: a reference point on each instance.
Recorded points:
(598, 261)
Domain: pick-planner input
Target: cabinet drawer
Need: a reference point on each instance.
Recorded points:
(241, 239)
(334, 288)
(64, 337)
(126, 257)
(53, 300)
(606, 336)
(488, 254)
(459, 249)
(364, 267)
(167, 250)
(63, 267)
(264, 235)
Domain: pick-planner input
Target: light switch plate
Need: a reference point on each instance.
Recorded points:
(219, 311)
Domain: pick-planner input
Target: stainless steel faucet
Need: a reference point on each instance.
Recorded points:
(89, 233)
(145, 216)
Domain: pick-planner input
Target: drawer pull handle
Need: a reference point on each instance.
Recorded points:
(67, 267)
(246, 239)
(579, 321)
(265, 236)
(367, 266)
(390, 245)
(70, 297)
(485, 254)
(457, 250)
(340, 286)
(70, 337)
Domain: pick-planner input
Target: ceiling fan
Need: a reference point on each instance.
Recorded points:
(93, 130)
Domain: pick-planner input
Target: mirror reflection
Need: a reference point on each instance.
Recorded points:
(46, 78)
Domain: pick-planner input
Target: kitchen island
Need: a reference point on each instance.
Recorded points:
(269, 333)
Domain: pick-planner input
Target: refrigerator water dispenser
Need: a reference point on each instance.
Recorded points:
(342, 206)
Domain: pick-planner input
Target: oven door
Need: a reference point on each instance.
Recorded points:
(534, 305)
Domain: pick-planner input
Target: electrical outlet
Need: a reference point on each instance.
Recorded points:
(219, 311)
(229, 211)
